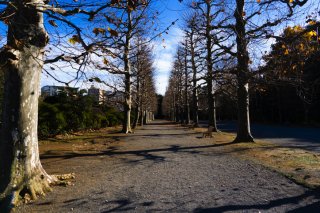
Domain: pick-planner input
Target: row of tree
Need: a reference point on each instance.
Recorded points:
(215, 62)
(48, 36)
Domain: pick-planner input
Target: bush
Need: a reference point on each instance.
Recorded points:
(113, 117)
(51, 120)
(61, 113)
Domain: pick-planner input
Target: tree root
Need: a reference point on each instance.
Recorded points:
(24, 191)
(246, 139)
(31, 189)
(63, 179)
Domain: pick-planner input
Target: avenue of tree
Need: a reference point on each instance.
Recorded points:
(114, 37)
(215, 67)
(107, 36)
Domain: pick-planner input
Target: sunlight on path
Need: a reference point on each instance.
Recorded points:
(167, 168)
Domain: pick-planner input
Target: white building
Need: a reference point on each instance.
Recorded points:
(55, 90)
(97, 94)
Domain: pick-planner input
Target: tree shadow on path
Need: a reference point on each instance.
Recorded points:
(146, 154)
(312, 208)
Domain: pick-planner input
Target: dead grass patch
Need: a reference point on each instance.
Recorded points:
(80, 142)
(297, 164)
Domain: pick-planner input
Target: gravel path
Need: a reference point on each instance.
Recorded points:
(166, 168)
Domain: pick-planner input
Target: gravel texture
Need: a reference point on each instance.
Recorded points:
(167, 168)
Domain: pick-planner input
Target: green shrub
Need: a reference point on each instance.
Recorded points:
(51, 120)
(62, 113)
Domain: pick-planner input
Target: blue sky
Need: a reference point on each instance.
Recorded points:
(170, 10)
(164, 47)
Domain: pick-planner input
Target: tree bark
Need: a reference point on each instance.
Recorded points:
(186, 95)
(210, 95)
(138, 107)
(136, 117)
(127, 67)
(195, 105)
(141, 117)
(174, 115)
(127, 105)
(21, 173)
(145, 117)
(243, 133)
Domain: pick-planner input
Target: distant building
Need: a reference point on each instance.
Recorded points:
(115, 99)
(97, 94)
(100, 96)
(55, 90)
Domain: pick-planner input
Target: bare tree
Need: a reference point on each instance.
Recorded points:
(193, 42)
(208, 13)
(22, 60)
(144, 89)
(129, 22)
(244, 34)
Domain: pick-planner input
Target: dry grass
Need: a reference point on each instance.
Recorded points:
(86, 141)
(297, 164)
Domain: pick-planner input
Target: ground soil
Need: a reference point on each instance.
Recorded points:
(164, 167)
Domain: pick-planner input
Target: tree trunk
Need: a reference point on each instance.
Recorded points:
(138, 107)
(172, 107)
(127, 68)
(177, 114)
(136, 117)
(195, 105)
(127, 105)
(141, 117)
(21, 173)
(186, 95)
(181, 108)
(145, 118)
(243, 133)
(210, 95)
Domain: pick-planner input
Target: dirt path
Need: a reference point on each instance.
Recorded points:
(166, 168)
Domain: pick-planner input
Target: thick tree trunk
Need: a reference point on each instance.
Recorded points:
(127, 68)
(138, 107)
(177, 117)
(243, 133)
(136, 117)
(173, 109)
(127, 105)
(21, 173)
(145, 118)
(195, 106)
(141, 117)
(186, 95)
(210, 95)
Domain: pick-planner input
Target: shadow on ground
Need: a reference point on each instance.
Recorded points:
(105, 206)
(312, 208)
(146, 154)
(122, 204)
